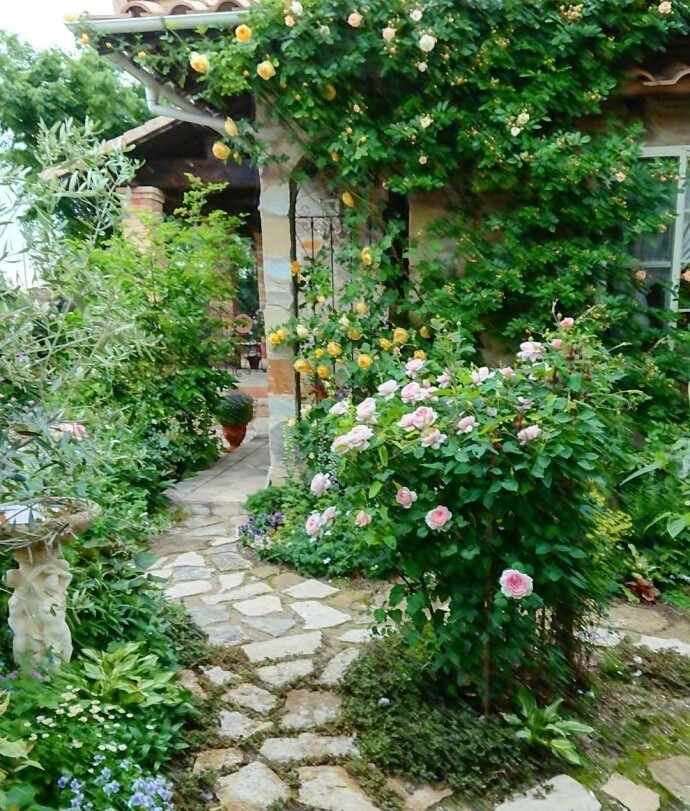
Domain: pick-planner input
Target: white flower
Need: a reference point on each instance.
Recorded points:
(413, 367)
(339, 409)
(620, 176)
(296, 7)
(320, 483)
(665, 7)
(423, 159)
(355, 19)
(366, 410)
(421, 67)
(302, 331)
(522, 119)
(324, 30)
(289, 21)
(530, 350)
(481, 374)
(427, 43)
(528, 434)
(388, 33)
(515, 131)
(444, 378)
(425, 121)
(416, 15)
(387, 390)
(433, 439)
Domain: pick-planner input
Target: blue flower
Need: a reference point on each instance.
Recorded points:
(62, 782)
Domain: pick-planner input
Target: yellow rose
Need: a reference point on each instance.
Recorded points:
(231, 127)
(321, 299)
(420, 354)
(302, 366)
(221, 150)
(367, 258)
(199, 62)
(85, 39)
(348, 199)
(334, 349)
(142, 54)
(364, 361)
(424, 332)
(330, 91)
(318, 353)
(400, 336)
(266, 70)
(302, 331)
(243, 33)
(361, 308)
(384, 343)
(274, 339)
(323, 372)
(295, 267)
(70, 17)
(282, 332)
(354, 335)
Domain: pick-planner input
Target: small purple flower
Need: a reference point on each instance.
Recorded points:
(62, 782)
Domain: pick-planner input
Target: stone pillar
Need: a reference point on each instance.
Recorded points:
(274, 207)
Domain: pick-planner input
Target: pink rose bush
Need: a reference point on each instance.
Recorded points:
(467, 469)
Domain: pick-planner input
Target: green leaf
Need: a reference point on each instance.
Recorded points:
(565, 749)
(375, 488)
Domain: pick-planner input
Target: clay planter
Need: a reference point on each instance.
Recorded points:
(234, 435)
(34, 533)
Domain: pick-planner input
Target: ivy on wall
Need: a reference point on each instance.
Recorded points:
(503, 104)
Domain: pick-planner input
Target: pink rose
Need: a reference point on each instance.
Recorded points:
(433, 439)
(640, 275)
(481, 374)
(428, 392)
(320, 483)
(405, 497)
(507, 371)
(444, 378)
(359, 436)
(525, 403)
(665, 7)
(341, 444)
(366, 410)
(423, 417)
(327, 516)
(557, 343)
(77, 430)
(530, 350)
(411, 393)
(414, 367)
(516, 584)
(406, 422)
(355, 19)
(467, 424)
(387, 390)
(313, 525)
(339, 409)
(438, 517)
(362, 519)
(530, 433)
(566, 323)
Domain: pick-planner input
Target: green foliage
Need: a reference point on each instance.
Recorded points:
(14, 758)
(408, 725)
(235, 408)
(542, 727)
(125, 676)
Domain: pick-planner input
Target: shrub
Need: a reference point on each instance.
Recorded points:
(235, 408)
(482, 481)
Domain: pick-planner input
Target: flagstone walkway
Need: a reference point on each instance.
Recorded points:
(280, 744)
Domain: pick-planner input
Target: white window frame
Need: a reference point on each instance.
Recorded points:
(681, 153)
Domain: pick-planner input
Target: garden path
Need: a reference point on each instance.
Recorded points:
(279, 742)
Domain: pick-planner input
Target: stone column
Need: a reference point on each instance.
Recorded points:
(274, 207)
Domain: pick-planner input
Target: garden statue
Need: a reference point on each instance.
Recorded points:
(37, 608)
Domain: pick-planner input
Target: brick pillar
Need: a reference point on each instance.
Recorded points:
(140, 199)
(274, 207)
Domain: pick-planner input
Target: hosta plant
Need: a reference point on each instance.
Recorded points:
(487, 483)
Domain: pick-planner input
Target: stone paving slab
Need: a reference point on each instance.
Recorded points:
(560, 793)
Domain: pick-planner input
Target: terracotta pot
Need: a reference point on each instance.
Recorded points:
(234, 435)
